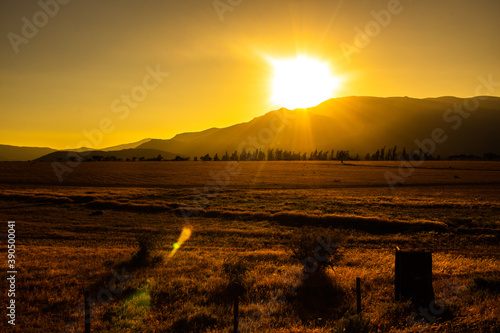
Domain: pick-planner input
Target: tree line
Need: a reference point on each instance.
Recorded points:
(272, 154)
(276, 154)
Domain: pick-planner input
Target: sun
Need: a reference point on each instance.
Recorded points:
(302, 82)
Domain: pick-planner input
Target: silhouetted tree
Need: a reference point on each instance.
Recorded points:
(342, 155)
(404, 154)
(286, 155)
(394, 154)
(261, 156)
(388, 154)
(279, 155)
(313, 155)
(234, 156)
(270, 154)
(414, 155)
(243, 155)
(206, 158)
(216, 157)
(487, 156)
(252, 156)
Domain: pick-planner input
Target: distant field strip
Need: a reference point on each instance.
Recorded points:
(263, 175)
(438, 196)
(290, 218)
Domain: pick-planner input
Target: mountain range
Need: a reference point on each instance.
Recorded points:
(445, 125)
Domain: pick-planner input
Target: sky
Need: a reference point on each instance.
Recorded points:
(113, 72)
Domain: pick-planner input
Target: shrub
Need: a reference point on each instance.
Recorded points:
(490, 284)
(317, 295)
(235, 271)
(147, 253)
(313, 248)
(353, 324)
(394, 314)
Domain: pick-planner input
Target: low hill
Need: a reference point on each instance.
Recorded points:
(15, 153)
(107, 155)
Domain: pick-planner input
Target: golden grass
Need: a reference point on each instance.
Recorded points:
(63, 249)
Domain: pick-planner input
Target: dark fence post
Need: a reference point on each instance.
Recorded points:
(87, 312)
(235, 312)
(397, 277)
(413, 277)
(358, 294)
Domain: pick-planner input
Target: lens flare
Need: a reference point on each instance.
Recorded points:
(185, 235)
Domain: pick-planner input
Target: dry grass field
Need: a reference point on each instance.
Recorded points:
(110, 227)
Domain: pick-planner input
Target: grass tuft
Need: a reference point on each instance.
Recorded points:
(490, 284)
(353, 324)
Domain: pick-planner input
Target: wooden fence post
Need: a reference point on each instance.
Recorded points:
(87, 312)
(413, 277)
(358, 294)
(235, 313)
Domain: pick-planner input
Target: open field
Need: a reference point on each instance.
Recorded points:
(70, 235)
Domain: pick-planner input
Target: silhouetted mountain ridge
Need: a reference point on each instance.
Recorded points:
(357, 124)
(126, 146)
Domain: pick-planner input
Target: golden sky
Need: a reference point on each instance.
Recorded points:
(67, 66)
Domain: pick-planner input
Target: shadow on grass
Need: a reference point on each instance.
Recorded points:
(320, 296)
(197, 322)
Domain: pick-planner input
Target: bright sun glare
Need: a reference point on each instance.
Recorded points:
(302, 82)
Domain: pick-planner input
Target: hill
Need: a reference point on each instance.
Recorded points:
(103, 155)
(357, 124)
(126, 145)
(14, 153)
